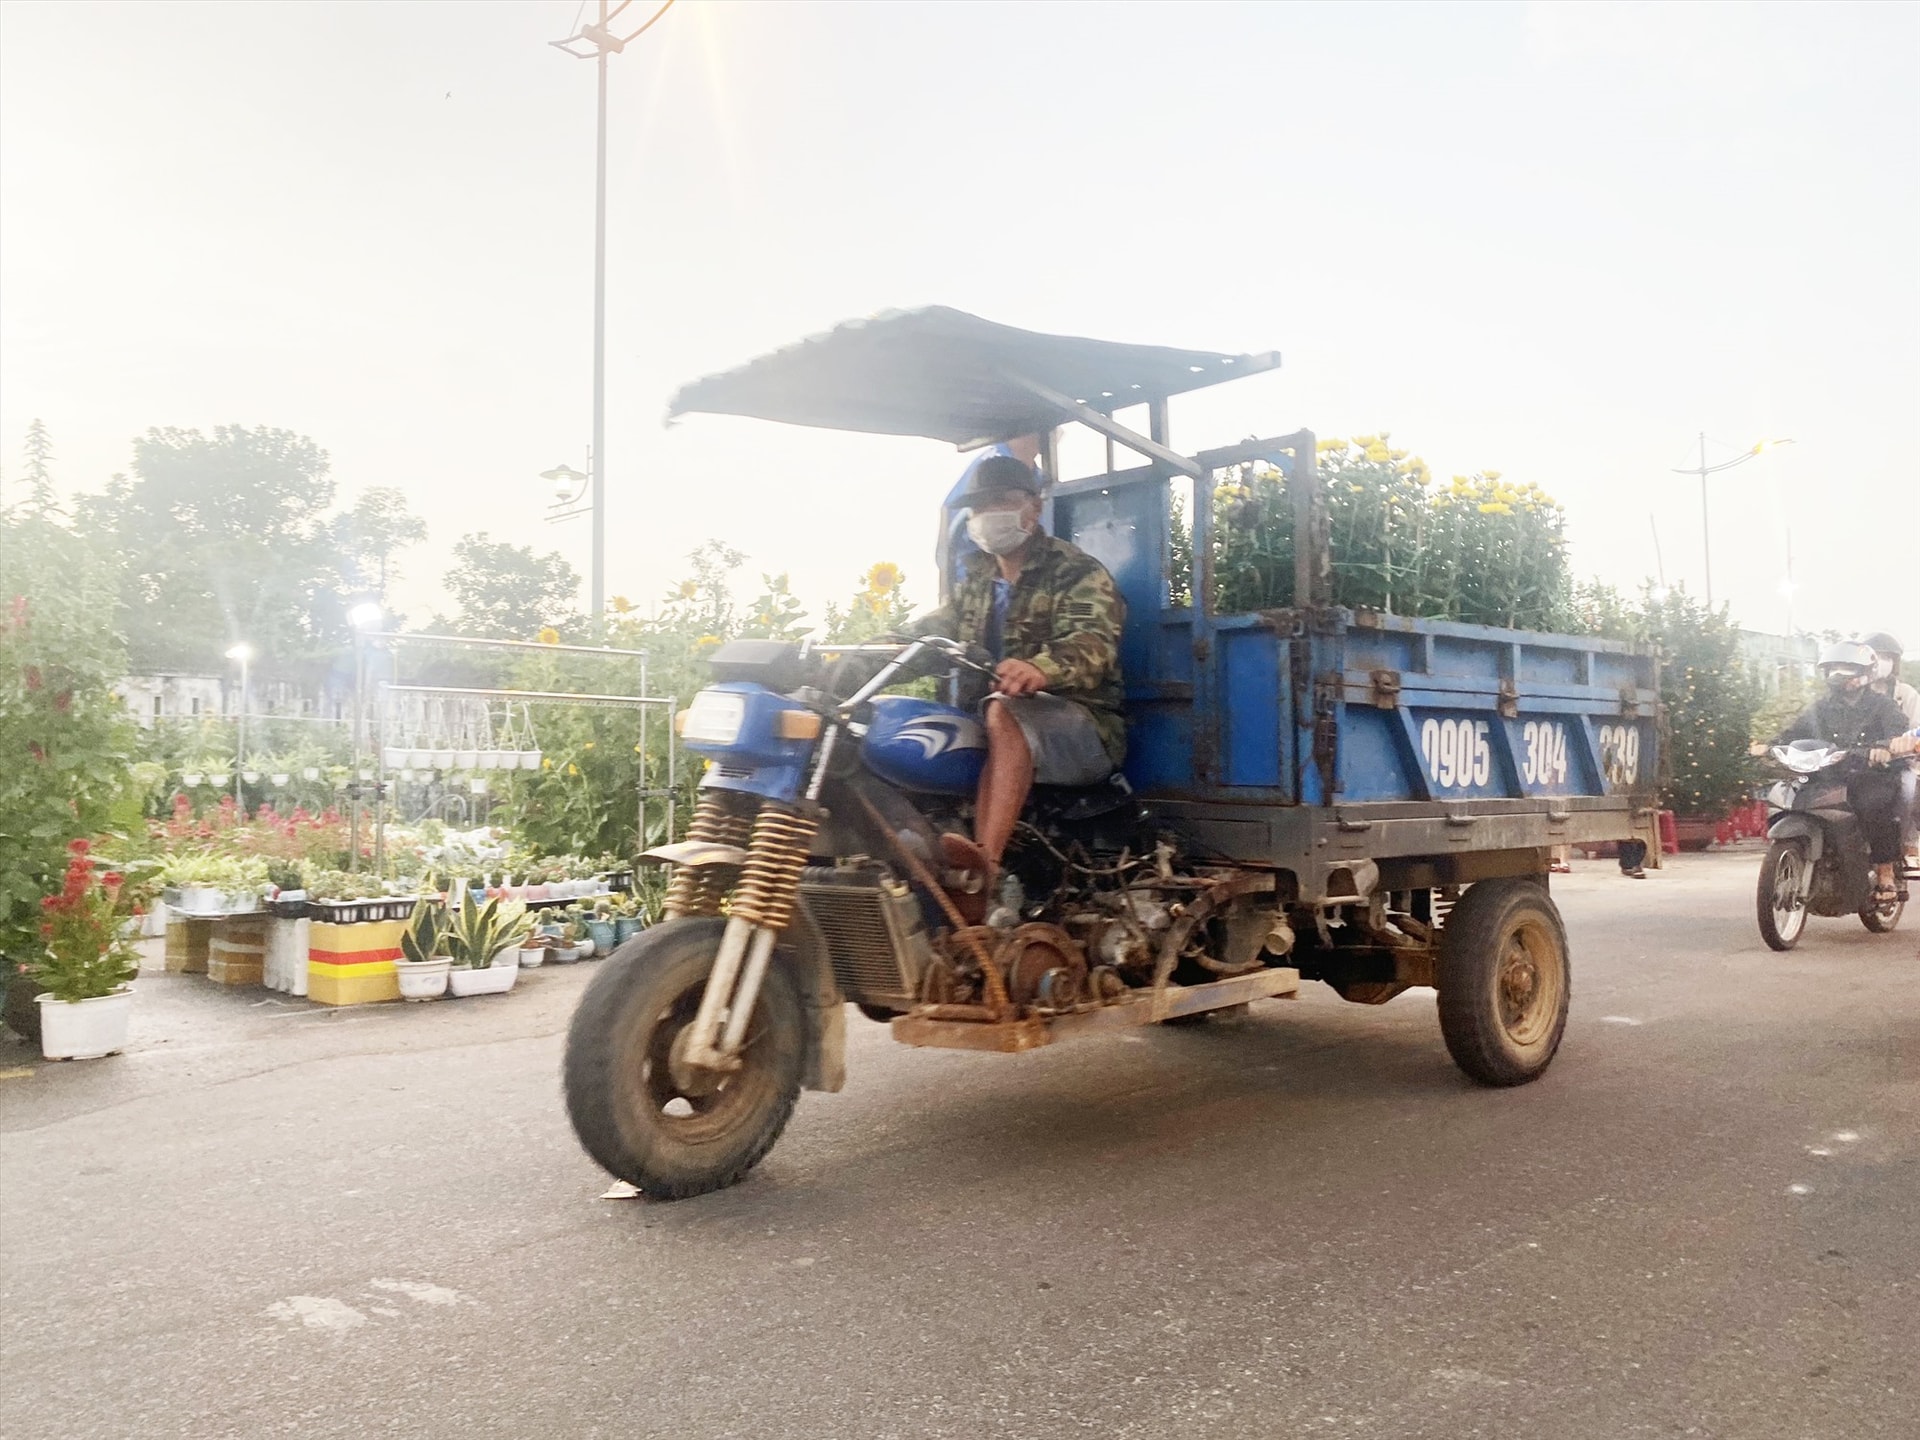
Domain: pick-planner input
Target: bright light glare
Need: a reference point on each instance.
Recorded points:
(1788, 587)
(364, 616)
(242, 652)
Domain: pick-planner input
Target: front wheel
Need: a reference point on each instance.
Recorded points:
(1779, 899)
(674, 1139)
(1505, 980)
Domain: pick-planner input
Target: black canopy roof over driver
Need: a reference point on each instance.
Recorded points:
(947, 375)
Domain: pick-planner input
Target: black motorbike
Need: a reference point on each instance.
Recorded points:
(1817, 859)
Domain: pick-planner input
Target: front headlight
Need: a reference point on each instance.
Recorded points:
(714, 718)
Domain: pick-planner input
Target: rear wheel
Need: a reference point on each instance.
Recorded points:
(1883, 916)
(1505, 980)
(1779, 898)
(675, 1138)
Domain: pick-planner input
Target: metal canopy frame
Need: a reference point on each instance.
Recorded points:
(641, 702)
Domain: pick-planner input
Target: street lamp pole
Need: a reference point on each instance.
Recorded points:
(1703, 470)
(242, 652)
(599, 462)
(604, 43)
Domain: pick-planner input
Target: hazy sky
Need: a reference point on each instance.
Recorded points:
(1555, 240)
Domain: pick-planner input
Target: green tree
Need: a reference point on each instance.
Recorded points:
(38, 471)
(66, 737)
(1710, 702)
(220, 539)
(506, 592)
(367, 536)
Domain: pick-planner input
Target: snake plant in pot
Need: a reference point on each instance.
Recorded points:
(424, 963)
(484, 944)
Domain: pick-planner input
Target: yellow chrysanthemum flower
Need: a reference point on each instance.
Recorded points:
(705, 640)
(1490, 474)
(1496, 507)
(1322, 446)
(1377, 453)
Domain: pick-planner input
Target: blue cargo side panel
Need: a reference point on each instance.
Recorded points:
(1256, 717)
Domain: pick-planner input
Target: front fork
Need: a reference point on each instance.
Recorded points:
(778, 842)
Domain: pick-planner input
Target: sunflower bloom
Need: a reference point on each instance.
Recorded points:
(548, 635)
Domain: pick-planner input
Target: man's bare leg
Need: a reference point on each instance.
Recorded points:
(1004, 784)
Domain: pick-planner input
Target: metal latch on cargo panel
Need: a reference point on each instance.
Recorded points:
(1386, 689)
(1509, 698)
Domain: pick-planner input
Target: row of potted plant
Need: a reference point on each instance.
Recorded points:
(201, 884)
(401, 758)
(472, 949)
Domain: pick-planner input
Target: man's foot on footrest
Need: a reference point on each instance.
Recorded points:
(967, 875)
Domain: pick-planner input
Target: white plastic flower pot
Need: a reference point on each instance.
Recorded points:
(312, 772)
(395, 757)
(466, 759)
(443, 759)
(279, 779)
(529, 759)
(423, 979)
(479, 787)
(192, 778)
(489, 759)
(252, 777)
(200, 900)
(532, 957)
(85, 1029)
(420, 759)
(494, 979)
(219, 780)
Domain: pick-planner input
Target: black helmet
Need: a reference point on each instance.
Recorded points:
(1883, 643)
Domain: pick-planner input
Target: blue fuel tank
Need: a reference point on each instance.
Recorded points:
(924, 746)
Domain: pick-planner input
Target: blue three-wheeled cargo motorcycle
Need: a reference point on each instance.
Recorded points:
(1310, 793)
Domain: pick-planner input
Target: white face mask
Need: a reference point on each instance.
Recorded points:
(1882, 668)
(998, 532)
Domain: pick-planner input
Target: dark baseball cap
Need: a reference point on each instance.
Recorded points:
(999, 475)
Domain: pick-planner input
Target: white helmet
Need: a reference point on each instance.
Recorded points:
(1846, 659)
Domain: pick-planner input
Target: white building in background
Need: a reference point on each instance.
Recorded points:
(1779, 662)
(177, 696)
(173, 697)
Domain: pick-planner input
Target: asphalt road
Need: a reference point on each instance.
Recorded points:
(1705, 1220)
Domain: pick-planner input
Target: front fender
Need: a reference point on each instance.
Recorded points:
(1791, 826)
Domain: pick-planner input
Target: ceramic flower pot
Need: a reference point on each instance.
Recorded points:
(423, 979)
(532, 957)
(602, 932)
(85, 1029)
(625, 928)
(494, 979)
(565, 954)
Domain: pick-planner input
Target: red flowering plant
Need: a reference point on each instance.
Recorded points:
(83, 953)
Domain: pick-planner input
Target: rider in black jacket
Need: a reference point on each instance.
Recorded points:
(1853, 716)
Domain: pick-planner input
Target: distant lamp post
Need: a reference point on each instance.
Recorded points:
(364, 618)
(243, 653)
(1703, 470)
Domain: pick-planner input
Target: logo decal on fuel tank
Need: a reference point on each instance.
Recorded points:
(937, 734)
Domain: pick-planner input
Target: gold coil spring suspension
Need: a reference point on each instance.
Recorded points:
(770, 881)
(721, 818)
